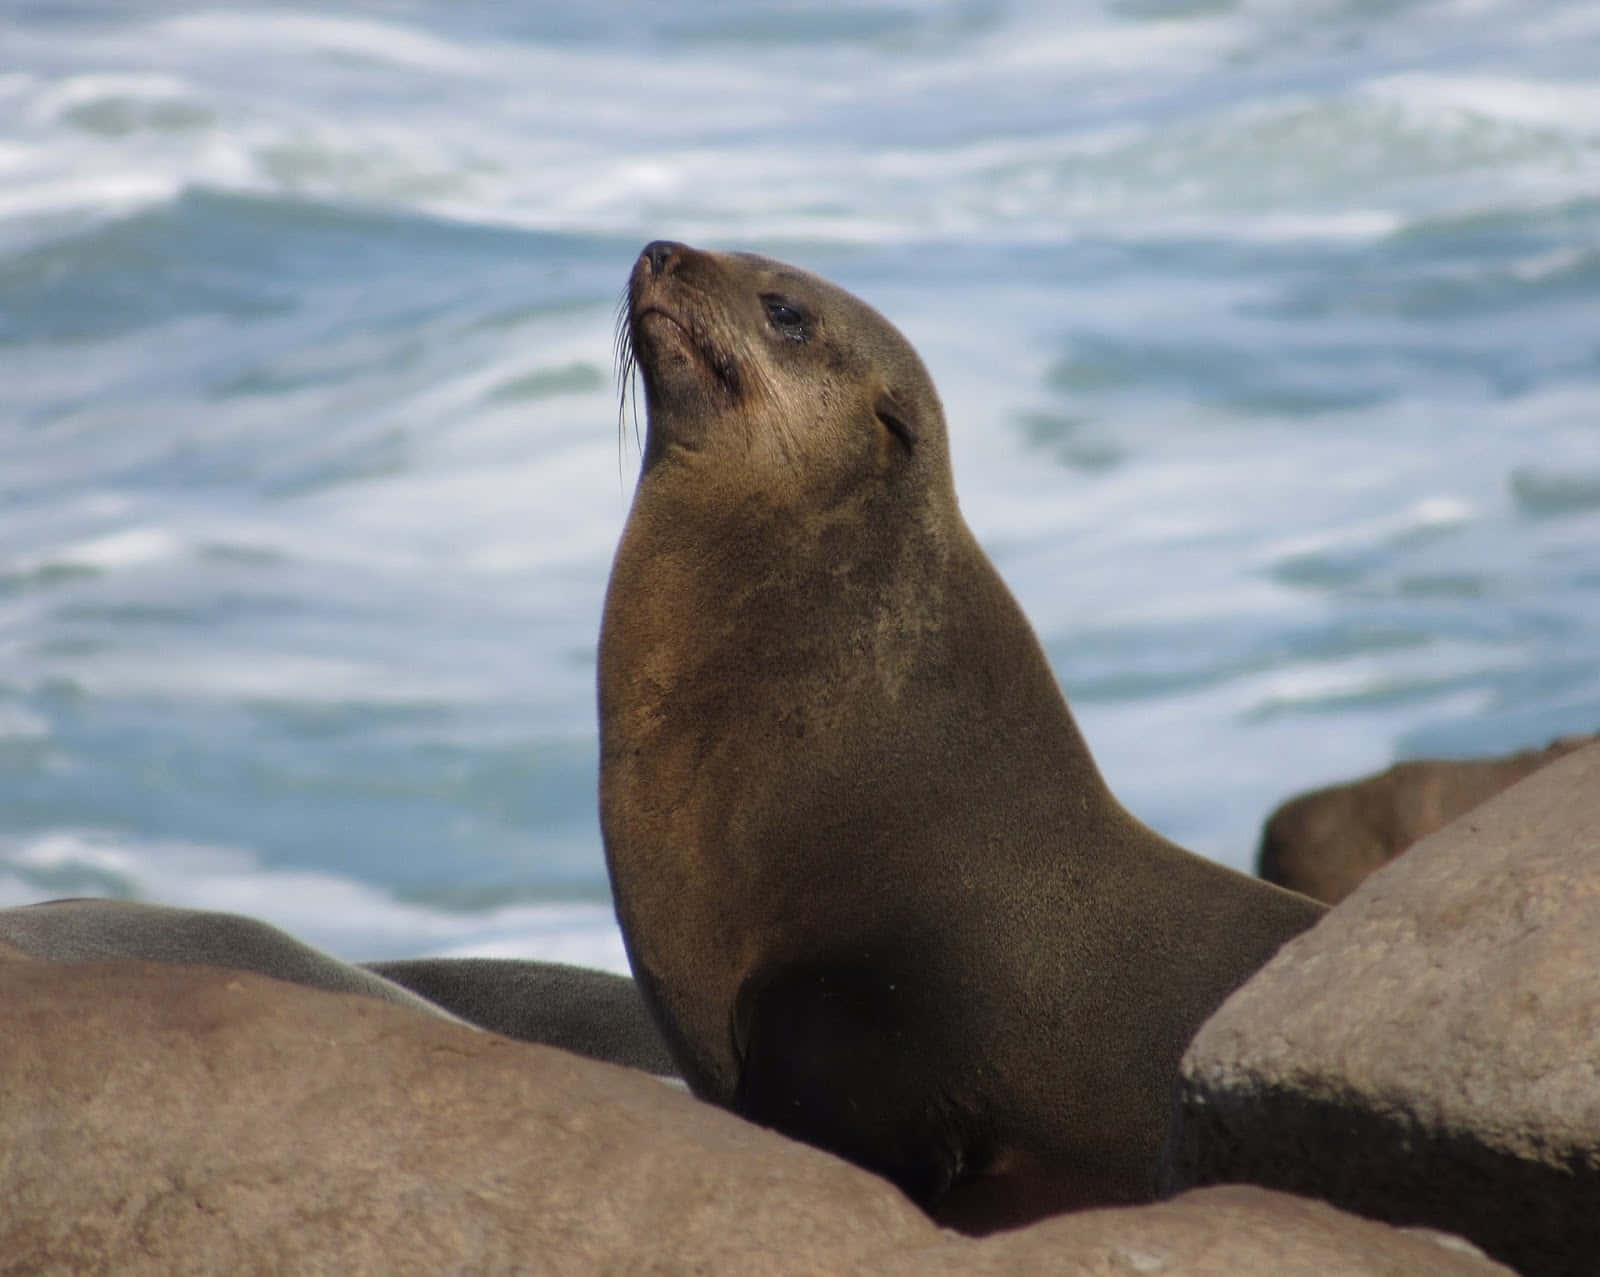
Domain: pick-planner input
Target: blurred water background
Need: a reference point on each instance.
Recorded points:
(1269, 334)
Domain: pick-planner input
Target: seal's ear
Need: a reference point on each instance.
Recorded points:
(896, 418)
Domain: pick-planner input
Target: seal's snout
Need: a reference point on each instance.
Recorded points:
(660, 254)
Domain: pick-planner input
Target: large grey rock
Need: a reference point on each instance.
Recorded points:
(1324, 843)
(173, 1120)
(1430, 1051)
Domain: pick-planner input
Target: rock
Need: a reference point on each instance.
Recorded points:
(85, 929)
(163, 1119)
(1324, 843)
(1212, 1232)
(592, 1012)
(1429, 1053)
(185, 1119)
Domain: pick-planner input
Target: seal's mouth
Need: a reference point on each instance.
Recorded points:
(657, 317)
(667, 326)
(657, 333)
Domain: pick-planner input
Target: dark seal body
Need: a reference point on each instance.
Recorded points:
(592, 1013)
(870, 880)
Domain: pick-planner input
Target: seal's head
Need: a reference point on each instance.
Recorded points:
(774, 378)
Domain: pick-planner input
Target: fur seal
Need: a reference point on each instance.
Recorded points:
(1324, 843)
(592, 1013)
(870, 880)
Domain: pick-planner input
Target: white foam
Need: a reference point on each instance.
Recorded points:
(1070, 46)
(1350, 225)
(107, 194)
(13, 155)
(54, 100)
(1567, 107)
(1310, 686)
(1428, 513)
(1550, 265)
(131, 547)
(19, 724)
(540, 136)
(348, 918)
(306, 33)
(242, 673)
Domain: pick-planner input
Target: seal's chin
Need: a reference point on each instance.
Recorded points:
(676, 358)
(660, 332)
(675, 368)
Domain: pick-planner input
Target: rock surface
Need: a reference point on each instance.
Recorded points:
(1430, 1051)
(185, 1119)
(593, 1013)
(86, 929)
(1324, 843)
(172, 1120)
(1238, 1231)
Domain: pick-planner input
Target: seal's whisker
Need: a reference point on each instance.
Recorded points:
(627, 367)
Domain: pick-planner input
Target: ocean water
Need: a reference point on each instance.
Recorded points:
(1269, 335)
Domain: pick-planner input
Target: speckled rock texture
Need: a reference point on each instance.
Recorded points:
(177, 1120)
(1324, 843)
(1212, 1232)
(171, 1120)
(1429, 1053)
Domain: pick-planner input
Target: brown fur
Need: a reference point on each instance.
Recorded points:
(871, 882)
(1326, 842)
(592, 1013)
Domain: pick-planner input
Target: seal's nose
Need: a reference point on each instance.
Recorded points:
(660, 253)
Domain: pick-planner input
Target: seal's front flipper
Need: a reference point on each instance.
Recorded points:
(833, 1054)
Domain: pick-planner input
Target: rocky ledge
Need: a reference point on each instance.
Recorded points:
(1429, 1053)
(174, 1120)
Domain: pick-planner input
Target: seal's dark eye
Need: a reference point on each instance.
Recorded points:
(786, 317)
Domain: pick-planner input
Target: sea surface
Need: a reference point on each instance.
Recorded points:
(1268, 332)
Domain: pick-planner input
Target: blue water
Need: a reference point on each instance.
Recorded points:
(1269, 336)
